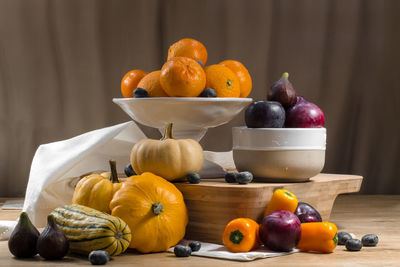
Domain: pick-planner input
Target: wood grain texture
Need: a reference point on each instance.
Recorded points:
(359, 214)
(213, 203)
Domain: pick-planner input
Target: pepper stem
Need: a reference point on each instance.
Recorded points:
(236, 237)
(168, 132)
(335, 239)
(157, 208)
(285, 75)
(113, 168)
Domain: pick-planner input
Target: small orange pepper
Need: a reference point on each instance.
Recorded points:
(282, 199)
(318, 236)
(241, 235)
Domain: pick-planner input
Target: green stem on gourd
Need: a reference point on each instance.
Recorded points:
(113, 168)
(157, 208)
(168, 132)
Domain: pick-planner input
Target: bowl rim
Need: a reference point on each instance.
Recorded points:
(323, 129)
(185, 99)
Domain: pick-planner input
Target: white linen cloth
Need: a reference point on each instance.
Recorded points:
(220, 252)
(56, 167)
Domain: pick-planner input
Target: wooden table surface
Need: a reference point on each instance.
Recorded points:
(358, 214)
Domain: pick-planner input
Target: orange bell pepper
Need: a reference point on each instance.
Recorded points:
(318, 236)
(282, 199)
(241, 235)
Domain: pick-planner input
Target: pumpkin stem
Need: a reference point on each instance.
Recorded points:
(113, 168)
(156, 208)
(168, 132)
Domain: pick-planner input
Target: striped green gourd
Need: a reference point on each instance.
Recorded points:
(88, 229)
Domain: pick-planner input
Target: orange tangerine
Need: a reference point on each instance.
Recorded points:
(182, 76)
(222, 80)
(130, 81)
(151, 82)
(242, 73)
(188, 48)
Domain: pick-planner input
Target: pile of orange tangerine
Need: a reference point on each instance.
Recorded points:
(185, 74)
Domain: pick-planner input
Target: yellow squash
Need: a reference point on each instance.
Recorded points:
(169, 158)
(154, 210)
(96, 190)
(88, 229)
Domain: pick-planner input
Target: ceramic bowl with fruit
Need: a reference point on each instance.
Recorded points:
(186, 92)
(284, 139)
(191, 116)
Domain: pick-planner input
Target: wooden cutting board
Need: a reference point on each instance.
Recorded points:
(213, 203)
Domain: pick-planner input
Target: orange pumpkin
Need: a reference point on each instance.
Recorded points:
(154, 210)
(96, 190)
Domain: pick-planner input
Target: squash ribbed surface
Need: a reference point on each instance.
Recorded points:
(88, 229)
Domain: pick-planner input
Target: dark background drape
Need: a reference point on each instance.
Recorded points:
(61, 63)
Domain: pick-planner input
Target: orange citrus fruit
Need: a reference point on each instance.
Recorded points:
(151, 83)
(130, 81)
(242, 73)
(182, 76)
(222, 80)
(188, 48)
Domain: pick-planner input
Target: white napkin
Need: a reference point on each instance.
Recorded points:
(6, 228)
(220, 252)
(56, 167)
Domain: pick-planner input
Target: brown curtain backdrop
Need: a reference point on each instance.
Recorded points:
(61, 63)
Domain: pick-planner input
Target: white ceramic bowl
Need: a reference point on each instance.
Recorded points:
(279, 154)
(191, 116)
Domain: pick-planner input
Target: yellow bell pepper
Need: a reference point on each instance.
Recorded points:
(282, 199)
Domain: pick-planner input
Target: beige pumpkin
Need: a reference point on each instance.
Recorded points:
(168, 158)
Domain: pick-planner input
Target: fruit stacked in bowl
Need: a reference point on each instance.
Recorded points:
(185, 74)
(186, 92)
(284, 139)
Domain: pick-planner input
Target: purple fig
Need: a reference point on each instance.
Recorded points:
(283, 92)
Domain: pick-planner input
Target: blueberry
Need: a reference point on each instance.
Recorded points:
(193, 178)
(129, 170)
(200, 62)
(182, 251)
(208, 92)
(195, 246)
(343, 237)
(99, 257)
(370, 240)
(244, 177)
(353, 245)
(231, 177)
(140, 93)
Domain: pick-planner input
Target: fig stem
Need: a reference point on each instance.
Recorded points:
(285, 75)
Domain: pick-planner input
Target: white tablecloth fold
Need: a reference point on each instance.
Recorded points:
(220, 252)
(56, 167)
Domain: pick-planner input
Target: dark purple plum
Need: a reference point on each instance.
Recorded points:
(280, 230)
(304, 114)
(283, 92)
(265, 114)
(306, 213)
